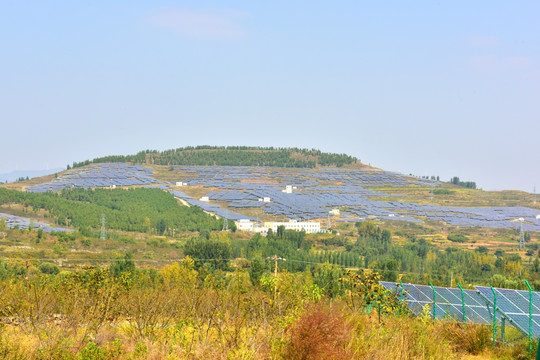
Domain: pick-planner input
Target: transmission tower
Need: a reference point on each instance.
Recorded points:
(102, 234)
(534, 195)
(225, 224)
(431, 191)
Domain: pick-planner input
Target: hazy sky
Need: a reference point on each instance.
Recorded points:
(448, 88)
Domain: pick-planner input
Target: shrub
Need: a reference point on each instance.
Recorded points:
(443, 192)
(48, 268)
(320, 333)
(459, 238)
(472, 338)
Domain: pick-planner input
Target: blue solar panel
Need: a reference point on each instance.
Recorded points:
(448, 302)
(19, 222)
(317, 192)
(514, 304)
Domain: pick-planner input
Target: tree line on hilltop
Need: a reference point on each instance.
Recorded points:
(231, 156)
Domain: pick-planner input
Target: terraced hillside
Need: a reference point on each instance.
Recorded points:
(261, 193)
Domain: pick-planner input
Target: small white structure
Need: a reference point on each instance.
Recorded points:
(538, 217)
(113, 186)
(288, 189)
(266, 199)
(205, 199)
(335, 211)
(180, 183)
(307, 226)
(260, 229)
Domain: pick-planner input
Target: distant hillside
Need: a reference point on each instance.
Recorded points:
(232, 156)
(15, 175)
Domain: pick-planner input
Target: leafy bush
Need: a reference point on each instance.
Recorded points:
(459, 238)
(472, 338)
(48, 268)
(320, 333)
(443, 192)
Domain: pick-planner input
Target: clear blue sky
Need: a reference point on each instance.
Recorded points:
(448, 88)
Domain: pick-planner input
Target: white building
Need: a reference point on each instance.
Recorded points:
(307, 226)
(288, 189)
(335, 211)
(205, 199)
(244, 225)
(180, 183)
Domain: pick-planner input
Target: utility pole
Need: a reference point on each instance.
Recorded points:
(275, 258)
(328, 222)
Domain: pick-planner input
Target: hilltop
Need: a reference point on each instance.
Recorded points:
(233, 156)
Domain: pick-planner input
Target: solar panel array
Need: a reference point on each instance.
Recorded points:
(448, 302)
(212, 208)
(514, 304)
(320, 190)
(18, 222)
(98, 175)
(317, 192)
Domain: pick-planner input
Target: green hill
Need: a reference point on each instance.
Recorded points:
(232, 156)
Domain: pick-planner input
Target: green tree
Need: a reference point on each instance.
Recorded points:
(125, 265)
(161, 226)
(216, 251)
(48, 268)
(256, 271)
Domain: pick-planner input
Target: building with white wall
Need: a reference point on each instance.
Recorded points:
(244, 225)
(307, 226)
(288, 189)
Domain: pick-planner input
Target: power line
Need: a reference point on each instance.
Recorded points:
(232, 259)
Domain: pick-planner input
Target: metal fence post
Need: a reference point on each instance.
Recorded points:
(434, 301)
(494, 316)
(530, 315)
(462, 302)
(400, 296)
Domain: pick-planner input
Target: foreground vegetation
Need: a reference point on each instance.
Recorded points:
(190, 311)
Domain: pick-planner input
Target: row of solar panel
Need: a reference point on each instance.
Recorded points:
(18, 222)
(478, 304)
(98, 175)
(315, 199)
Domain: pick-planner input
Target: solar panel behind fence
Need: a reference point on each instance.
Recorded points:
(514, 304)
(448, 302)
